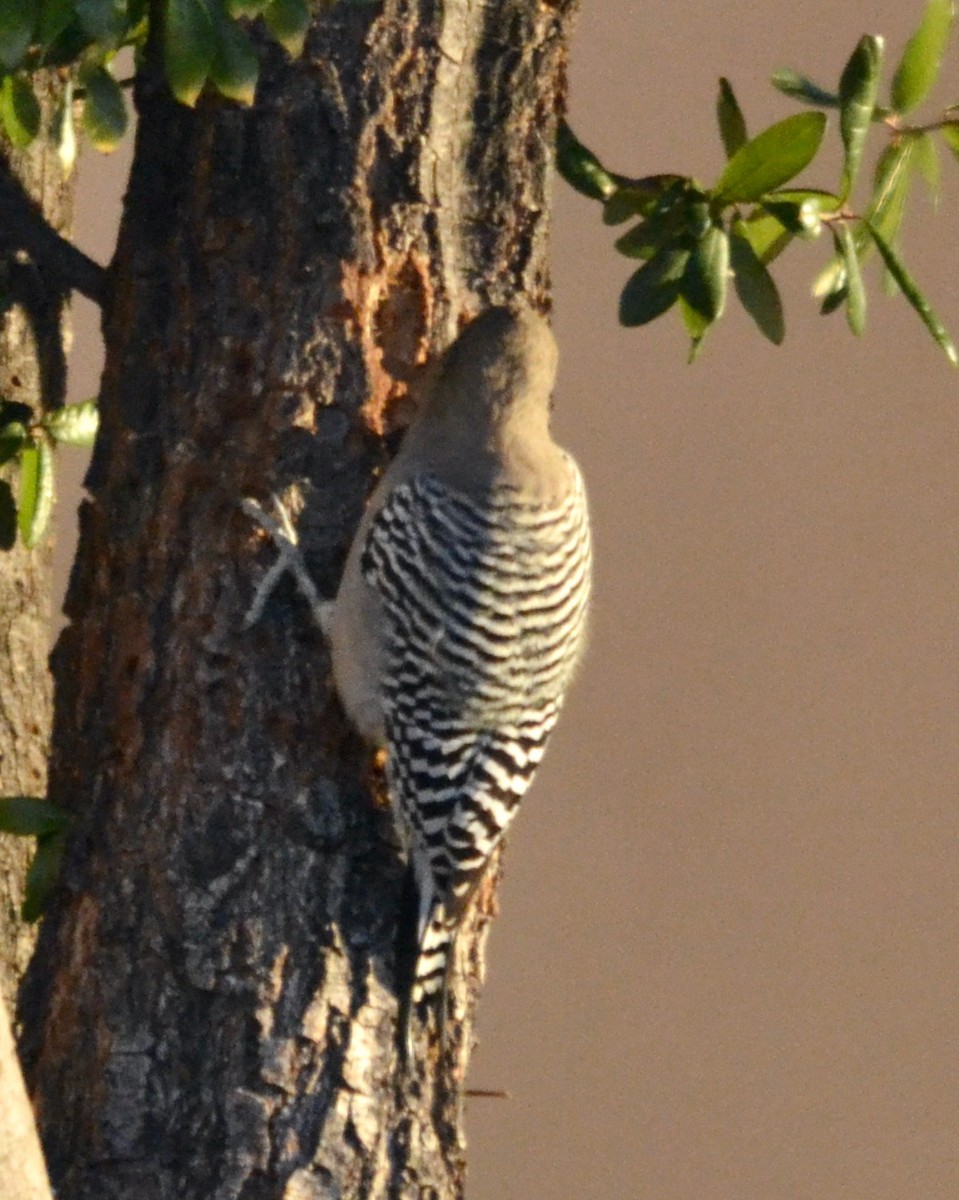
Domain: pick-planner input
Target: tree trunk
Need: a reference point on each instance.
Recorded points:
(212, 1008)
(32, 372)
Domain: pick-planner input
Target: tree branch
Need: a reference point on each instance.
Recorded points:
(23, 227)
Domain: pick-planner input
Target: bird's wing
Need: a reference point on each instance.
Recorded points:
(480, 596)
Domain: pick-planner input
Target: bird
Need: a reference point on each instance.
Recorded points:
(460, 618)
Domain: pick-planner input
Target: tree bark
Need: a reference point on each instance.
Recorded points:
(32, 372)
(23, 1174)
(212, 1008)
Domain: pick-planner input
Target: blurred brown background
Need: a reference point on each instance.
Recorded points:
(728, 956)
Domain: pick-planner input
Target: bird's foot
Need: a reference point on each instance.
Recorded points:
(289, 558)
(376, 779)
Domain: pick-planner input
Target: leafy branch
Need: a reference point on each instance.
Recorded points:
(206, 44)
(30, 445)
(28, 816)
(692, 239)
(206, 47)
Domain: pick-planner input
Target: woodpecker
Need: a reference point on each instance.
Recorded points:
(461, 616)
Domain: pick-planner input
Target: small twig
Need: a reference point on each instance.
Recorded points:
(840, 215)
(893, 122)
(487, 1094)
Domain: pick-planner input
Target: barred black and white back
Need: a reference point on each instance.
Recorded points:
(484, 597)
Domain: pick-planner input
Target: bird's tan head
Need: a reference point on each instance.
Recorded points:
(486, 414)
(506, 357)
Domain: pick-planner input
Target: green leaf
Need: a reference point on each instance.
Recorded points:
(65, 49)
(695, 214)
(770, 159)
(16, 31)
(696, 326)
(830, 279)
(63, 132)
(857, 93)
(104, 20)
(235, 66)
(73, 424)
(42, 875)
(36, 492)
(799, 217)
(889, 286)
(821, 201)
(139, 17)
(246, 8)
(288, 21)
(654, 288)
(926, 157)
(694, 321)
(104, 109)
(12, 437)
(640, 197)
(891, 188)
(755, 287)
(675, 212)
(800, 88)
(910, 290)
(836, 298)
(885, 210)
(732, 123)
(706, 278)
(55, 16)
(855, 292)
(919, 67)
(642, 241)
(580, 167)
(19, 110)
(950, 135)
(767, 236)
(29, 816)
(189, 47)
(625, 203)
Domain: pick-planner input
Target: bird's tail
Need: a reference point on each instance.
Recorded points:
(424, 965)
(432, 966)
